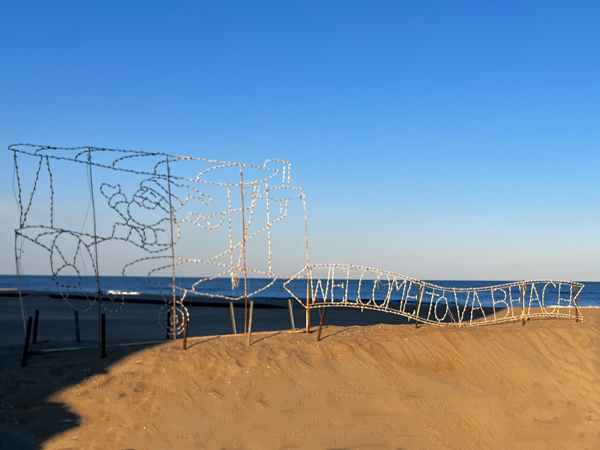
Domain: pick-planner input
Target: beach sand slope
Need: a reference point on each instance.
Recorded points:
(506, 386)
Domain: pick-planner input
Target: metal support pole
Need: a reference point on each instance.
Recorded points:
(185, 331)
(244, 253)
(291, 314)
(308, 271)
(103, 346)
(97, 263)
(18, 271)
(26, 346)
(168, 322)
(77, 335)
(524, 290)
(35, 325)
(321, 324)
(307, 301)
(232, 317)
(576, 305)
(171, 220)
(250, 322)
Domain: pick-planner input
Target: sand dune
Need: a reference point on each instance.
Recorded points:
(377, 387)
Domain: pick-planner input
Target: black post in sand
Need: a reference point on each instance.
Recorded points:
(168, 322)
(185, 331)
(35, 325)
(103, 345)
(250, 323)
(321, 324)
(26, 346)
(77, 335)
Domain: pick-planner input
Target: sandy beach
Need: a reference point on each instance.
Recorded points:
(368, 386)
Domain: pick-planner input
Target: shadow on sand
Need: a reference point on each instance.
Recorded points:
(28, 416)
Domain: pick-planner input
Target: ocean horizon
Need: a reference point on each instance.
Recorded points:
(589, 297)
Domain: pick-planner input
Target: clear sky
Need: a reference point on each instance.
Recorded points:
(438, 139)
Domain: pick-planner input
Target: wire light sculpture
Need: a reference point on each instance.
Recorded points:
(156, 203)
(170, 197)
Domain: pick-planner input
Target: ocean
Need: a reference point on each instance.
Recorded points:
(589, 296)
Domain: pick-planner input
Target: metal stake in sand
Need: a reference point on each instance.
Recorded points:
(250, 325)
(17, 266)
(523, 291)
(171, 218)
(232, 317)
(185, 331)
(308, 273)
(77, 335)
(35, 325)
(98, 293)
(26, 346)
(321, 324)
(291, 314)
(168, 322)
(576, 305)
(103, 346)
(244, 254)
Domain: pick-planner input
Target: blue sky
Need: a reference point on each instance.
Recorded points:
(441, 140)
